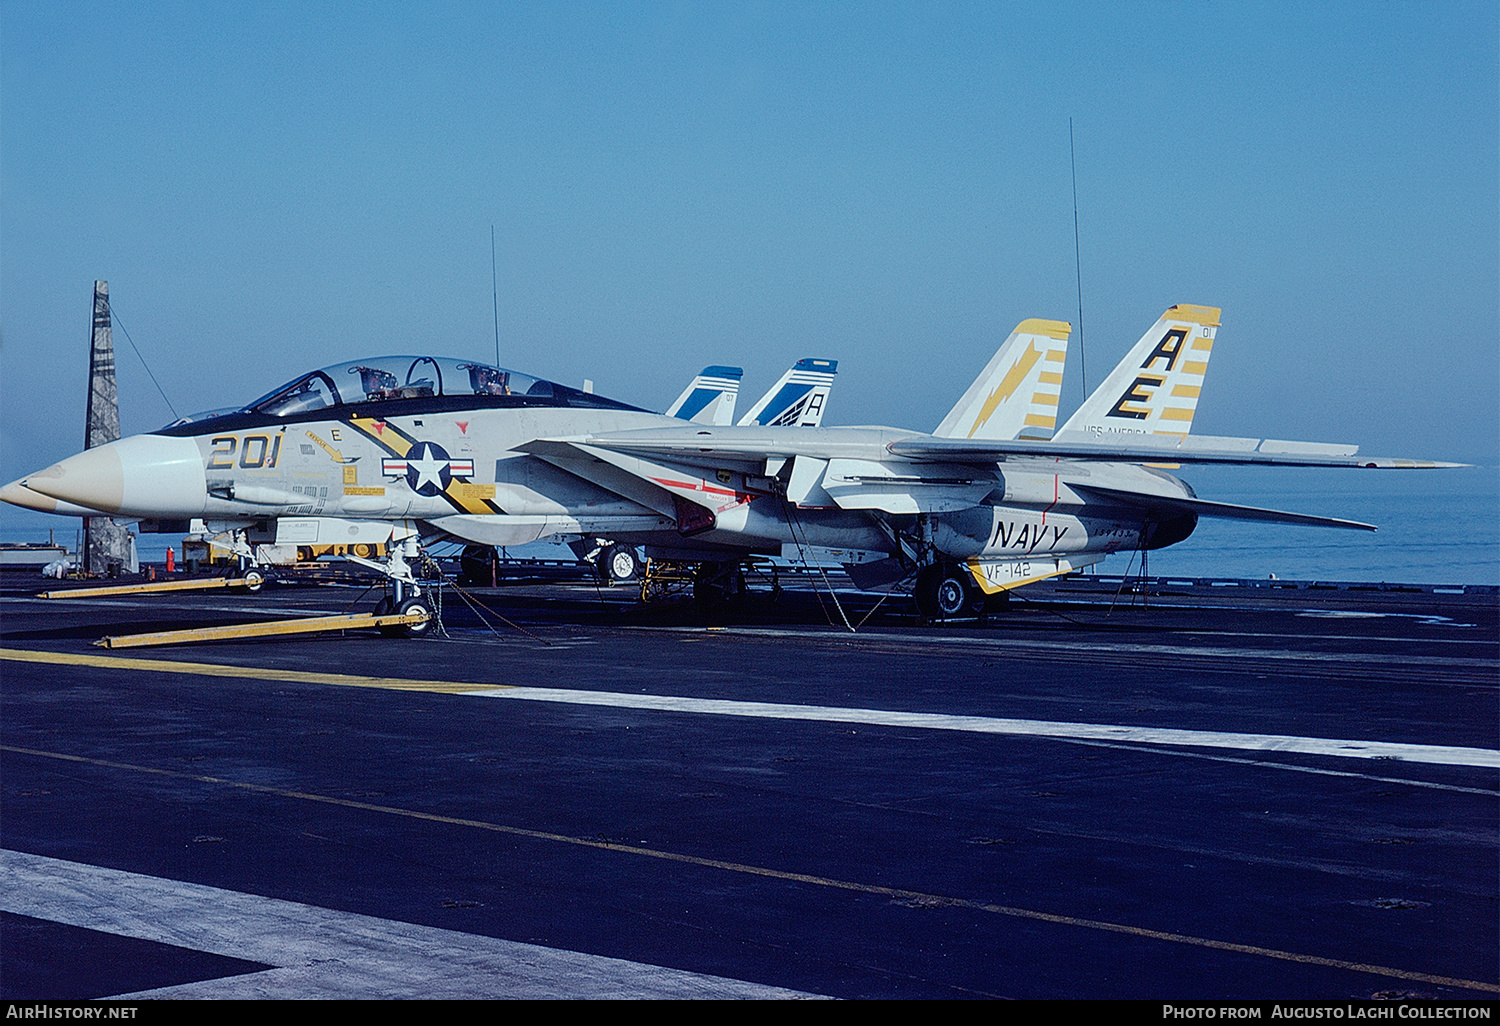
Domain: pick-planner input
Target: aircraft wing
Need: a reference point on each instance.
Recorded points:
(738, 446)
(1207, 508)
(1156, 449)
(895, 471)
(750, 445)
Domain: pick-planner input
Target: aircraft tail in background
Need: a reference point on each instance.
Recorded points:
(710, 397)
(798, 399)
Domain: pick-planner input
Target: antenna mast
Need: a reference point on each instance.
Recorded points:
(106, 544)
(495, 291)
(1078, 261)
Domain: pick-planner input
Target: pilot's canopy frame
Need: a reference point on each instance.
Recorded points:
(395, 377)
(427, 379)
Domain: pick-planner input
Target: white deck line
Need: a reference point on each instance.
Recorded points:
(1352, 749)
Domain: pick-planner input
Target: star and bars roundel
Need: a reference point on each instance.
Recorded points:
(428, 468)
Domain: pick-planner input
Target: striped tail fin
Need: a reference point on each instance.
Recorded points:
(1016, 394)
(1154, 390)
(798, 399)
(710, 397)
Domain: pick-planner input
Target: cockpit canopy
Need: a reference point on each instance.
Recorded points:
(421, 382)
(399, 377)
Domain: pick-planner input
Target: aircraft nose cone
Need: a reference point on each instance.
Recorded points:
(17, 494)
(144, 475)
(93, 478)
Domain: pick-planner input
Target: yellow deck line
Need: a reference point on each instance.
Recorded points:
(347, 680)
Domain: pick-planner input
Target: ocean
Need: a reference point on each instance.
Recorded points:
(1434, 527)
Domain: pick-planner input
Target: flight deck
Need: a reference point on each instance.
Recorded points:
(1176, 790)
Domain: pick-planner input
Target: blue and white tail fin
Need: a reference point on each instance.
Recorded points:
(1016, 394)
(1154, 390)
(710, 397)
(798, 399)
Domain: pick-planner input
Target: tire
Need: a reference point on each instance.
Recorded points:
(996, 603)
(943, 591)
(618, 563)
(383, 608)
(475, 565)
(712, 585)
(416, 630)
(253, 580)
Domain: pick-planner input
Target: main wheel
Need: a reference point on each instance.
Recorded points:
(617, 563)
(476, 565)
(943, 591)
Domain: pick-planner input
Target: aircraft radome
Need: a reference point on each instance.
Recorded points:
(405, 450)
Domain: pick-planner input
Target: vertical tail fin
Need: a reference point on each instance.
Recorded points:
(710, 397)
(1016, 394)
(798, 399)
(1154, 390)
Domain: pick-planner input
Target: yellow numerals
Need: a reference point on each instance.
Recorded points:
(256, 452)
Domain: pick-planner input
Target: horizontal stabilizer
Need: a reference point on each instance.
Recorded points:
(1220, 510)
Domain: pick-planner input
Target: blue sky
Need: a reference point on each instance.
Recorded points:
(271, 187)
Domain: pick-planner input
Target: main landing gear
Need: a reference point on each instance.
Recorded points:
(945, 590)
(617, 563)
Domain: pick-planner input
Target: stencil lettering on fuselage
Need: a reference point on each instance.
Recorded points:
(1026, 537)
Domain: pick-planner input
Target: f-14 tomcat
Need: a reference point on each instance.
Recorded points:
(412, 449)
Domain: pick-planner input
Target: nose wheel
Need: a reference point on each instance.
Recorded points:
(406, 596)
(406, 608)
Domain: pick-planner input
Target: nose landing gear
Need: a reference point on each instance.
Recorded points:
(405, 596)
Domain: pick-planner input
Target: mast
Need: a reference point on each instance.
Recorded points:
(106, 545)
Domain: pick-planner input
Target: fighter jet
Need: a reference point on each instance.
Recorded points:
(407, 450)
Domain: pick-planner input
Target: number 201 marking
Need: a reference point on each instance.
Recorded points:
(258, 451)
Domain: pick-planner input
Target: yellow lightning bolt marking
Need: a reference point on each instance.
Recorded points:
(1007, 386)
